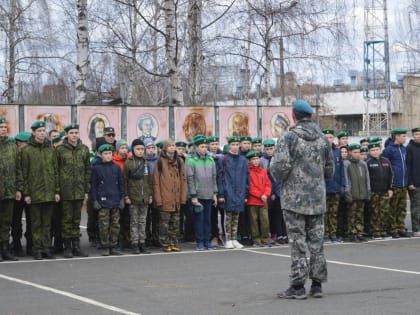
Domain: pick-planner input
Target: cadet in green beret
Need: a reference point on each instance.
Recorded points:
(8, 189)
(343, 138)
(181, 148)
(256, 144)
(344, 151)
(245, 145)
(74, 172)
(214, 145)
(363, 153)
(38, 155)
(57, 141)
(398, 131)
(413, 167)
(328, 131)
(375, 139)
(357, 192)
(364, 142)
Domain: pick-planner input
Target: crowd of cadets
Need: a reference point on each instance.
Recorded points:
(144, 194)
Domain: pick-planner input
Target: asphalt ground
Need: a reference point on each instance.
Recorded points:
(378, 277)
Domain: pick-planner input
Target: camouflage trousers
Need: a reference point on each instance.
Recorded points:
(109, 226)
(379, 214)
(168, 227)
(41, 214)
(398, 205)
(70, 218)
(306, 233)
(231, 225)
(138, 214)
(6, 215)
(355, 217)
(260, 227)
(415, 209)
(333, 202)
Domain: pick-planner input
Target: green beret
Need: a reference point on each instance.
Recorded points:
(375, 139)
(252, 154)
(269, 143)
(2, 120)
(354, 146)
(364, 149)
(213, 139)
(11, 139)
(181, 144)
(38, 124)
(374, 145)
(328, 131)
(71, 126)
(159, 144)
(23, 136)
(56, 139)
(246, 138)
(398, 131)
(256, 140)
(190, 144)
(225, 149)
(62, 133)
(234, 139)
(200, 139)
(364, 140)
(417, 129)
(105, 147)
(342, 134)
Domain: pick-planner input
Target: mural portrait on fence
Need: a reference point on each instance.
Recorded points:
(93, 120)
(147, 123)
(55, 117)
(238, 121)
(275, 121)
(12, 121)
(193, 121)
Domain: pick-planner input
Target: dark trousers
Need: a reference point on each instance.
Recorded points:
(244, 225)
(125, 235)
(92, 222)
(17, 230)
(275, 217)
(215, 231)
(186, 223)
(202, 222)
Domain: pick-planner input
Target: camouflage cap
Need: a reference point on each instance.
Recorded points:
(71, 126)
(269, 143)
(37, 124)
(328, 131)
(252, 154)
(342, 134)
(354, 146)
(105, 147)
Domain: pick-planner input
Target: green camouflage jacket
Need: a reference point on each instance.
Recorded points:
(138, 185)
(39, 172)
(74, 170)
(8, 154)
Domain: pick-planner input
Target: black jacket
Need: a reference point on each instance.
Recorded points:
(413, 166)
(380, 173)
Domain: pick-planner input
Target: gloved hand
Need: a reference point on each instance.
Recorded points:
(348, 197)
(122, 204)
(96, 205)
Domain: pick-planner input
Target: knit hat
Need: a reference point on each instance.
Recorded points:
(148, 143)
(136, 142)
(120, 143)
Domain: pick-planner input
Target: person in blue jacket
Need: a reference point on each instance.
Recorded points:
(233, 187)
(396, 152)
(107, 189)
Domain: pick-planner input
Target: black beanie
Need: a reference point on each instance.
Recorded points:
(136, 142)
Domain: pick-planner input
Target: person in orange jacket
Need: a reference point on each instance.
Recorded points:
(259, 192)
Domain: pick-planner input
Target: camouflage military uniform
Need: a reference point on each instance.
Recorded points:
(109, 226)
(379, 214)
(302, 161)
(356, 217)
(398, 206)
(40, 182)
(333, 202)
(415, 209)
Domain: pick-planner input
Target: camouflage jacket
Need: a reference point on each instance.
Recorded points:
(39, 171)
(8, 155)
(138, 180)
(301, 162)
(73, 170)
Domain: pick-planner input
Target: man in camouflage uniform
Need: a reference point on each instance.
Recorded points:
(40, 187)
(302, 161)
(8, 192)
(74, 177)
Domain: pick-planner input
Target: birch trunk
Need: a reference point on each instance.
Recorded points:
(268, 55)
(196, 50)
(82, 53)
(12, 20)
(172, 52)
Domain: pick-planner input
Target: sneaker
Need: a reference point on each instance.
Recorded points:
(175, 248)
(208, 246)
(105, 252)
(237, 245)
(113, 251)
(167, 248)
(214, 242)
(316, 291)
(292, 293)
(229, 245)
(200, 246)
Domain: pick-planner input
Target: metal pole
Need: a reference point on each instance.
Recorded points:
(21, 111)
(259, 125)
(216, 112)
(318, 103)
(123, 112)
(282, 77)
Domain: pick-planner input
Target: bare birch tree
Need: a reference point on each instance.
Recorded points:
(82, 53)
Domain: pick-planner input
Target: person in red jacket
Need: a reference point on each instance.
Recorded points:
(259, 192)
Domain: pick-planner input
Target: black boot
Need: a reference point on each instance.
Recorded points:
(48, 254)
(143, 249)
(17, 248)
(58, 245)
(135, 248)
(67, 248)
(37, 255)
(76, 248)
(29, 247)
(114, 251)
(5, 252)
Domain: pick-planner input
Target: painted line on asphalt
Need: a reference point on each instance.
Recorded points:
(336, 262)
(69, 295)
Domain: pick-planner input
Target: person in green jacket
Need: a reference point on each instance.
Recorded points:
(8, 192)
(74, 178)
(40, 187)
